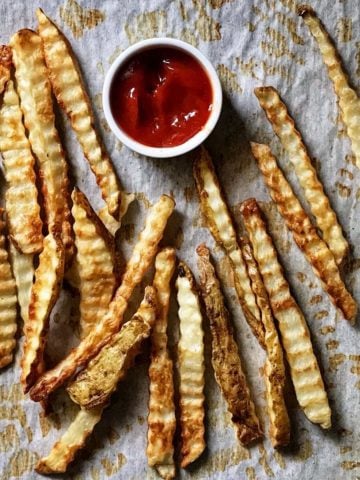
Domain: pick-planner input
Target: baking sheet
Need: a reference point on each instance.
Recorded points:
(251, 43)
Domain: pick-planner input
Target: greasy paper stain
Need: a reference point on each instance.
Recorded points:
(335, 361)
(47, 422)
(301, 276)
(346, 174)
(343, 190)
(228, 79)
(247, 66)
(350, 465)
(344, 29)
(354, 358)
(21, 462)
(345, 449)
(95, 473)
(332, 344)
(112, 435)
(141, 197)
(327, 329)
(13, 394)
(250, 473)
(79, 18)
(263, 461)
(355, 369)
(320, 315)
(146, 25)
(9, 438)
(280, 460)
(259, 13)
(290, 4)
(112, 467)
(115, 54)
(291, 26)
(219, 3)
(189, 37)
(207, 27)
(305, 451)
(315, 299)
(221, 460)
(278, 46)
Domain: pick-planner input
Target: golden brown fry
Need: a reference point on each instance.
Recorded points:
(221, 226)
(44, 293)
(63, 452)
(22, 208)
(8, 303)
(5, 66)
(22, 266)
(71, 95)
(95, 384)
(161, 419)
(36, 103)
(304, 233)
(191, 368)
(111, 223)
(225, 355)
(142, 256)
(95, 261)
(291, 140)
(349, 101)
(304, 368)
(274, 371)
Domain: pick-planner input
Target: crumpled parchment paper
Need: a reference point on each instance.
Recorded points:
(250, 43)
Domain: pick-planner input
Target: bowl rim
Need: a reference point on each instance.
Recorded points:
(191, 143)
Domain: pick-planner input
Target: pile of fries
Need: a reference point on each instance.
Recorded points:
(52, 233)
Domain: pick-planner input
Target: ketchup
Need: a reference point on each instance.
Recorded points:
(161, 97)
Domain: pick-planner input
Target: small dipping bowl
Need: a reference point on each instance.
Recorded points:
(189, 144)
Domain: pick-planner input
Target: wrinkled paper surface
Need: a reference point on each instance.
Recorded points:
(250, 43)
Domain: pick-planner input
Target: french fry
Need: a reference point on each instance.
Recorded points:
(44, 293)
(161, 419)
(304, 233)
(97, 277)
(63, 452)
(94, 385)
(69, 89)
(22, 266)
(349, 101)
(225, 355)
(191, 368)
(36, 103)
(8, 301)
(142, 256)
(5, 66)
(111, 223)
(22, 208)
(304, 368)
(221, 227)
(274, 370)
(291, 140)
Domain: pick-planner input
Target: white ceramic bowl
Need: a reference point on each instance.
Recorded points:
(198, 138)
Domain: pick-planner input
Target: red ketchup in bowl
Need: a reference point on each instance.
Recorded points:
(161, 97)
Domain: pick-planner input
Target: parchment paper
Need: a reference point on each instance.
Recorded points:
(251, 43)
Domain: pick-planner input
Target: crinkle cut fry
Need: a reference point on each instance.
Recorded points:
(70, 92)
(161, 418)
(304, 233)
(5, 66)
(95, 384)
(274, 371)
(35, 95)
(191, 367)
(349, 101)
(22, 266)
(98, 277)
(21, 196)
(221, 227)
(141, 258)
(304, 368)
(111, 223)
(291, 140)
(44, 293)
(8, 313)
(63, 452)
(225, 355)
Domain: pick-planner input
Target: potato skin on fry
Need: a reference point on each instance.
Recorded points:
(274, 370)
(35, 94)
(225, 355)
(23, 210)
(220, 224)
(304, 233)
(44, 293)
(291, 140)
(98, 277)
(70, 92)
(304, 368)
(5, 66)
(8, 313)
(93, 386)
(161, 418)
(63, 452)
(140, 260)
(191, 367)
(349, 101)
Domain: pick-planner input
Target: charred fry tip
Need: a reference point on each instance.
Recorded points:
(303, 10)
